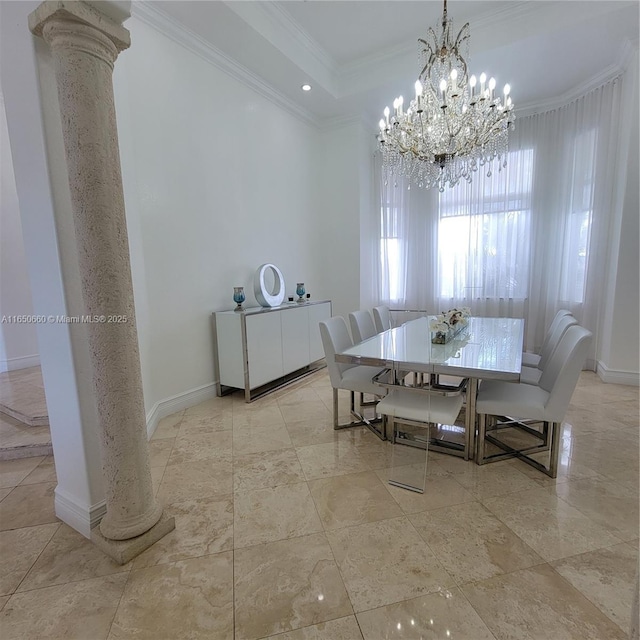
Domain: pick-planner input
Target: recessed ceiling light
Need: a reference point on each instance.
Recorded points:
(306, 87)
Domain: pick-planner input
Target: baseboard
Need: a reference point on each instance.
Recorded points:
(24, 362)
(80, 517)
(181, 401)
(612, 376)
(590, 365)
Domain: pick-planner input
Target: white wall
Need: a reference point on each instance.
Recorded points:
(18, 341)
(369, 222)
(218, 180)
(339, 236)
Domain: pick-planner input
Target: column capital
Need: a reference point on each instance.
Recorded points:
(79, 12)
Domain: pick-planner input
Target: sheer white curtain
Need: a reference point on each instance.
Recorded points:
(524, 241)
(572, 202)
(408, 243)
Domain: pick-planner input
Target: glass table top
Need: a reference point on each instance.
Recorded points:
(487, 348)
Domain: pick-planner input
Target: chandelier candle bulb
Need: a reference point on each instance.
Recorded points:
(418, 87)
(472, 93)
(492, 86)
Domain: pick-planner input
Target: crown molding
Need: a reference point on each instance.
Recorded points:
(557, 102)
(295, 31)
(628, 50)
(512, 11)
(352, 74)
(339, 122)
(625, 56)
(157, 19)
(277, 26)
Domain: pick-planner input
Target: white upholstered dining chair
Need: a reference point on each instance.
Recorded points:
(532, 374)
(502, 406)
(382, 318)
(533, 359)
(415, 408)
(362, 326)
(351, 377)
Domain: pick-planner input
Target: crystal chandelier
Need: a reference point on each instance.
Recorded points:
(454, 125)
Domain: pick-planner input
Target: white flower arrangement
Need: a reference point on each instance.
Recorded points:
(449, 323)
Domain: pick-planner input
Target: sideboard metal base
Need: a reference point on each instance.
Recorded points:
(250, 395)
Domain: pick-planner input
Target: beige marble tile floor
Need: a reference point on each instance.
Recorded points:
(286, 529)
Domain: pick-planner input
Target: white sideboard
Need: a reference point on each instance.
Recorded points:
(261, 348)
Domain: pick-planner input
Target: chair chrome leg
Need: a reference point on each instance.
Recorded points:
(556, 429)
(470, 416)
(467, 444)
(482, 426)
(361, 421)
(550, 436)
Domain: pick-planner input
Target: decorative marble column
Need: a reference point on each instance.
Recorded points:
(84, 45)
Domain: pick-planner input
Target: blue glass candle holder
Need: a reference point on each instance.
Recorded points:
(239, 298)
(300, 291)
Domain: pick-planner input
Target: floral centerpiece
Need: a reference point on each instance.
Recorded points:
(448, 325)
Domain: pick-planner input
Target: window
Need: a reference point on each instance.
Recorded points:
(484, 232)
(390, 252)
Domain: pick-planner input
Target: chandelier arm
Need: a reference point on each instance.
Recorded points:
(429, 51)
(458, 130)
(448, 124)
(466, 30)
(489, 135)
(422, 134)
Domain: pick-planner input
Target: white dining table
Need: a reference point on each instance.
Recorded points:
(488, 348)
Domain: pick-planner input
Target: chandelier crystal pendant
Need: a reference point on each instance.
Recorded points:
(455, 123)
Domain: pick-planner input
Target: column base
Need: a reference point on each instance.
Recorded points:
(124, 550)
